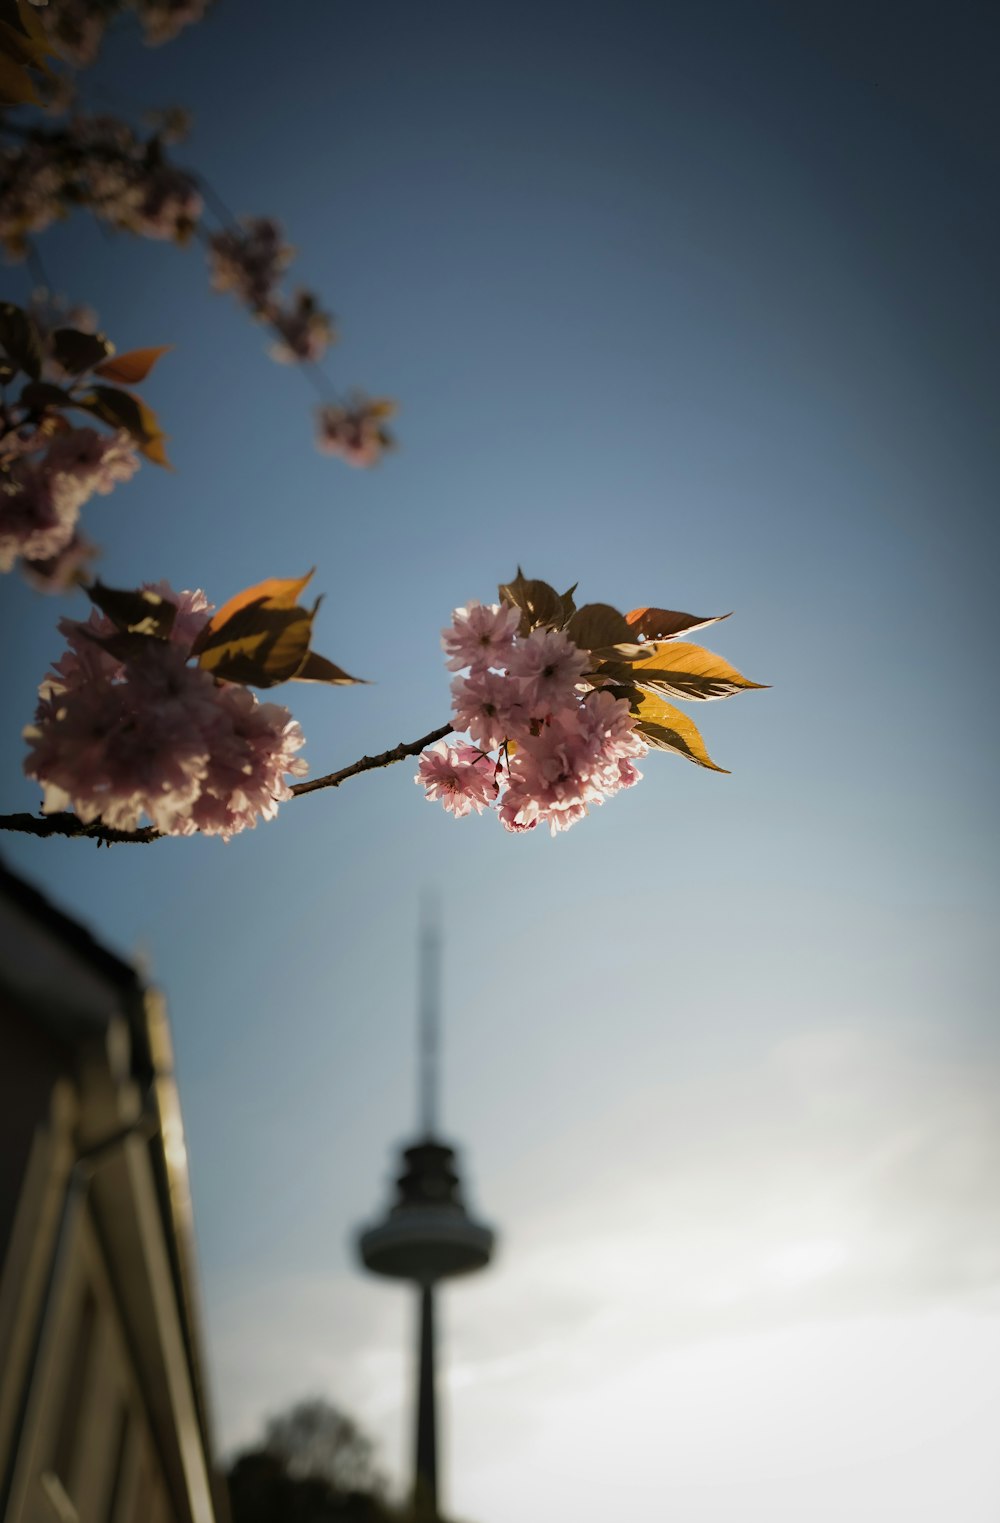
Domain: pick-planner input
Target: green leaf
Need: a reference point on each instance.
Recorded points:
(141, 612)
(132, 367)
(667, 729)
(20, 339)
(665, 624)
(688, 671)
(596, 625)
(76, 351)
(318, 669)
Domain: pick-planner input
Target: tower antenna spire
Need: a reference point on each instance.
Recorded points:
(427, 1235)
(430, 1012)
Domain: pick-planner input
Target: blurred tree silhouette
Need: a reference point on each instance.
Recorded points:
(314, 1465)
(316, 1441)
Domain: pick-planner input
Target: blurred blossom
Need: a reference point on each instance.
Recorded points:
(356, 433)
(140, 733)
(306, 331)
(249, 260)
(68, 568)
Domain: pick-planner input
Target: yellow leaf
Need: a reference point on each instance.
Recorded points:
(128, 369)
(318, 669)
(16, 86)
(260, 645)
(688, 671)
(24, 49)
(28, 17)
(123, 409)
(667, 729)
(154, 450)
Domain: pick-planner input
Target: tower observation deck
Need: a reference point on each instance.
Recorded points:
(427, 1235)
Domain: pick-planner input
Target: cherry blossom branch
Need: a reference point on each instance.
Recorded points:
(67, 824)
(369, 763)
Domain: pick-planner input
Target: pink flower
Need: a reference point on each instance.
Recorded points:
(32, 182)
(193, 613)
(83, 461)
(578, 758)
(571, 745)
(117, 750)
(550, 666)
(150, 736)
(480, 635)
(36, 520)
(306, 331)
(245, 779)
(169, 205)
(520, 812)
(488, 705)
(62, 571)
(356, 433)
(249, 261)
(459, 777)
(76, 27)
(86, 660)
(162, 20)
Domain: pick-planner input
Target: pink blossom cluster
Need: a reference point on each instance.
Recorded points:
(77, 27)
(136, 731)
(41, 495)
(561, 744)
(163, 20)
(249, 260)
(357, 432)
(101, 163)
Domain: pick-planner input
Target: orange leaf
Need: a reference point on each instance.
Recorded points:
(276, 592)
(132, 367)
(665, 624)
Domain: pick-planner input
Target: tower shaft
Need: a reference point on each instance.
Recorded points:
(430, 1016)
(425, 1486)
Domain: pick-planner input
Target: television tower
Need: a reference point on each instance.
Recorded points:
(427, 1235)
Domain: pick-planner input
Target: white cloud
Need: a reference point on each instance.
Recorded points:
(782, 1281)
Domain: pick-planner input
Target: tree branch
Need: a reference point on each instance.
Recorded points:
(369, 763)
(66, 824)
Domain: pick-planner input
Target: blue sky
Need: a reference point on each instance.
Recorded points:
(696, 308)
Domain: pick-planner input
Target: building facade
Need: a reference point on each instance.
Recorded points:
(103, 1408)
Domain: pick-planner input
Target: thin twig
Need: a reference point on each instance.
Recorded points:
(66, 824)
(369, 763)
